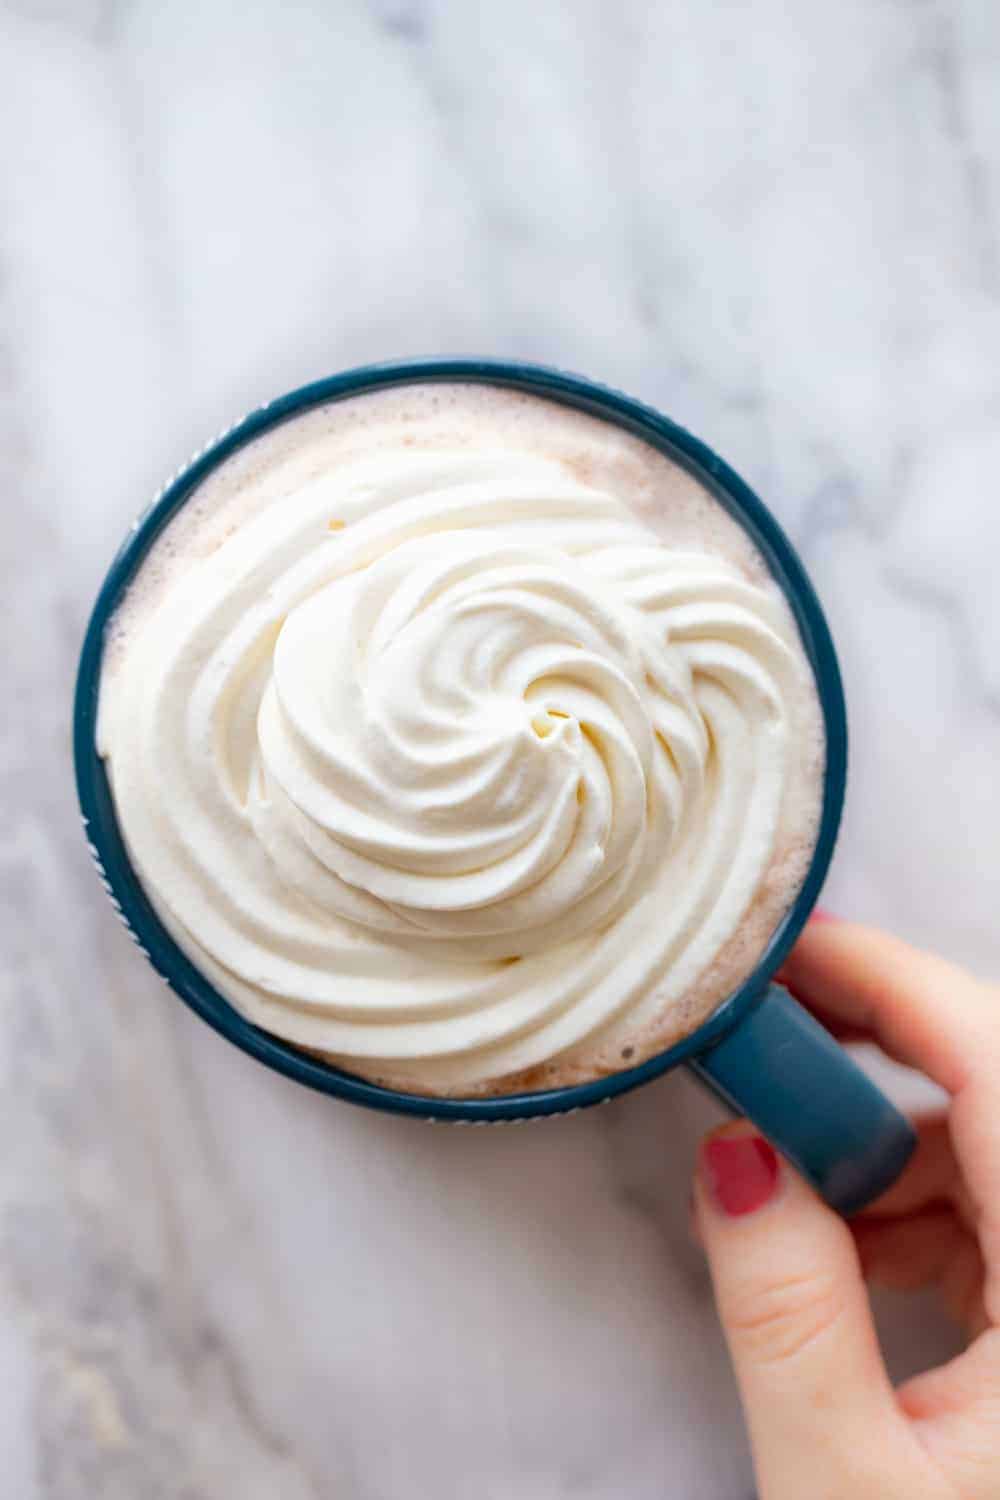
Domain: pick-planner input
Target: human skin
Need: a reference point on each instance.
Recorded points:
(789, 1274)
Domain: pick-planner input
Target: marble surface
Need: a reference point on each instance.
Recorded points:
(779, 223)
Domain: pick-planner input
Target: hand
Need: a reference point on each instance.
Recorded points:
(824, 1420)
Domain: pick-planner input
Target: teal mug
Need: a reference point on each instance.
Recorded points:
(759, 1051)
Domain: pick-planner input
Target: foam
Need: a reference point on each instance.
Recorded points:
(662, 494)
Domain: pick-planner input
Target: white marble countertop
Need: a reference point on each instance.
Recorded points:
(779, 223)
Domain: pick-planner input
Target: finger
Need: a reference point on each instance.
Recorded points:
(962, 1287)
(931, 1176)
(930, 1248)
(924, 1011)
(908, 1253)
(975, 1130)
(956, 1409)
(796, 1318)
(934, 1016)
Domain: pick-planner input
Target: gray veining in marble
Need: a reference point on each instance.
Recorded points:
(779, 223)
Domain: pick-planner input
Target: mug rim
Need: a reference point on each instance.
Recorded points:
(107, 845)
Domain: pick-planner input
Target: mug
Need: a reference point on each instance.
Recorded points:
(759, 1051)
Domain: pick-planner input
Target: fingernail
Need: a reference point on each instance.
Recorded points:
(740, 1171)
(820, 914)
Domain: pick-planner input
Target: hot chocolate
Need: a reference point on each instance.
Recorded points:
(464, 739)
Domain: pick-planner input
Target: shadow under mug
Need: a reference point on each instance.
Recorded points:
(760, 1051)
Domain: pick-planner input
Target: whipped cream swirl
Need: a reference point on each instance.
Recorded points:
(444, 764)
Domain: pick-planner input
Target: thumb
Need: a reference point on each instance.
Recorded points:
(795, 1313)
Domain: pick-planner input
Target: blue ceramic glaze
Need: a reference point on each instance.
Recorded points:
(759, 1051)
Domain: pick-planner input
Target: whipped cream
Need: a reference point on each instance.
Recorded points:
(443, 763)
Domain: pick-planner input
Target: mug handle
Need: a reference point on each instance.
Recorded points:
(784, 1071)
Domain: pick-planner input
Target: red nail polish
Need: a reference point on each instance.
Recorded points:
(741, 1171)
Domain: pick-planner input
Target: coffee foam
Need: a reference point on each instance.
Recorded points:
(661, 494)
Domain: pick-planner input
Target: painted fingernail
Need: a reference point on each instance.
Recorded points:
(740, 1171)
(820, 914)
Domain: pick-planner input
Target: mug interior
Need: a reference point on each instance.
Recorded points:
(97, 805)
